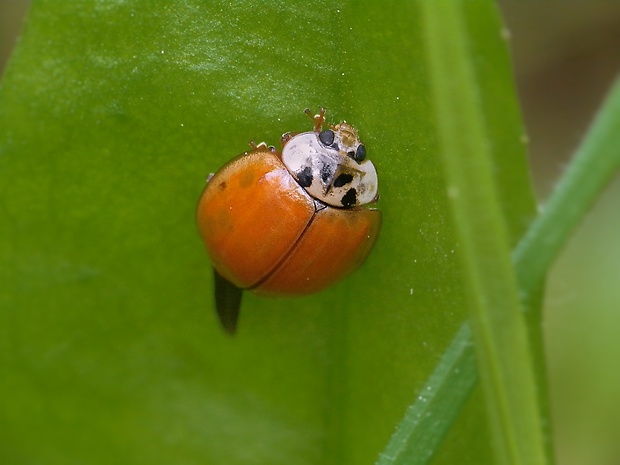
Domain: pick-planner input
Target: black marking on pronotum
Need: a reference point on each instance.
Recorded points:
(349, 198)
(304, 177)
(343, 179)
(326, 173)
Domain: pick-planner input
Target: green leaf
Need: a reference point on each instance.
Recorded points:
(111, 116)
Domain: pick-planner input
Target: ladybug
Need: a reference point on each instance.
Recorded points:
(289, 222)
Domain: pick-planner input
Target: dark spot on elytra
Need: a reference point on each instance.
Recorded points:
(343, 179)
(222, 185)
(304, 177)
(349, 198)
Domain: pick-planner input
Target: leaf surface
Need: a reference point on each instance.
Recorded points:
(112, 114)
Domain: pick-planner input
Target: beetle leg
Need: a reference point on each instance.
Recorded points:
(261, 146)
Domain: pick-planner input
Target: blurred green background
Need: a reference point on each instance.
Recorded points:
(565, 58)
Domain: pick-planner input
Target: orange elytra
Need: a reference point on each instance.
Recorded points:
(289, 222)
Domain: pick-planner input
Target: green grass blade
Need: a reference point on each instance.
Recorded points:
(428, 420)
(504, 360)
(596, 160)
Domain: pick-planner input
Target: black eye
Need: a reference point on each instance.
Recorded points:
(360, 154)
(327, 137)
